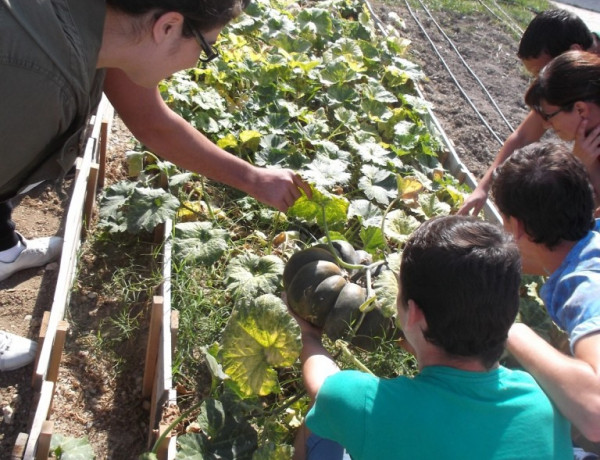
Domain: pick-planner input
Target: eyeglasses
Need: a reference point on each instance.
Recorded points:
(210, 52)
(548, 116)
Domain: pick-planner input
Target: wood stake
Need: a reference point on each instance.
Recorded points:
(41, 337)
(153, 344)
(90, 197)
(163, 448)
(19, 447)
(57, 349)
(174, 329)
(43, 448)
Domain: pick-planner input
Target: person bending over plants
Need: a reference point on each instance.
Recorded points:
(566, 94)
(458, 296)
(549, 34)
(546, 201)
(56, 58)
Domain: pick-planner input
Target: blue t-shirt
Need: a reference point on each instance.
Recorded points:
(442, 413)
(572, 293)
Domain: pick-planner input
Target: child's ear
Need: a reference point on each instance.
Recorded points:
(582, 108)
(515, 227)
(415, 316)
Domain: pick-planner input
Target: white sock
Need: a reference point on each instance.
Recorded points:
(11, 254)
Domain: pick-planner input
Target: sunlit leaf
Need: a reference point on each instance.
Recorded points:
(368, 213)
(250, 275)
(326, 172)
(377, 184)
(336, 208)
(200, 242)
(399, 226)
(259, 336)
(386, 285)
(372, 239)
(409, 187)
(69, 448)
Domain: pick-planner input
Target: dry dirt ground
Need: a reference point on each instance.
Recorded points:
(110, 412)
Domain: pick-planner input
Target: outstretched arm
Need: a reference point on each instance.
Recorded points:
(317, 363)
(572, 383)
(174, 139)
(530, 130)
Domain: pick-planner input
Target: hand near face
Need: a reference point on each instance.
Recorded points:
(587, 146)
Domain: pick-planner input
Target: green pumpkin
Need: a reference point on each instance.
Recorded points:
(319, 291)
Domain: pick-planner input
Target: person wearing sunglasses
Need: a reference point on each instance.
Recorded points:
(549, 34)
(56, 59)
(566, 95)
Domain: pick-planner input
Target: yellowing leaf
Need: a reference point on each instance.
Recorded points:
(409, 187)
(248, 135)
(227, 141)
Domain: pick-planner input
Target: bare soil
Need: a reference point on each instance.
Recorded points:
(92, 399)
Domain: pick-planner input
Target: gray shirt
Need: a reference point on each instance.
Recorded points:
(49, 85)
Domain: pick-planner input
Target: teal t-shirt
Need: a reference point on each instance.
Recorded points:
(442, 413)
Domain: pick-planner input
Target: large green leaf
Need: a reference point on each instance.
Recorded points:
(377, 184)
(224, 434)
(311, 210)
(250, 275)
(399, 226)
(200, 242)
(386, 285)
(367, 213)
(149, 207)
(259, 336)
(317, 21)
(326, 172)
(67, 448)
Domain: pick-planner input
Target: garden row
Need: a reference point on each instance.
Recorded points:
(157, 381)
(321, 90)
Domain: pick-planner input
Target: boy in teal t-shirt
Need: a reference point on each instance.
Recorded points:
(458, 296)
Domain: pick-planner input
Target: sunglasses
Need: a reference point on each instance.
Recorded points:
(210, 52)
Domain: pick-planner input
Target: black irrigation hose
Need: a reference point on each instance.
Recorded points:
(507, 19)
(473, 74)
(453, 76)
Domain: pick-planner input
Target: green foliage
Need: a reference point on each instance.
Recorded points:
(67, 448)
(200, 242)
(249, 275)
(313, 88)
(222, 433)
(259, 336)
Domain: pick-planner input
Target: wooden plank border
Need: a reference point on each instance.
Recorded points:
(52, 335)
(163, 394)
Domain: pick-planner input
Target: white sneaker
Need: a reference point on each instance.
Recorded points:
(15, 351)
(37, 252)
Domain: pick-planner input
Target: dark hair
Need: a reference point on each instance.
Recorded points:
(464, 274)
(573, 76)
(554, 32)
(547, 188)
(202, 15)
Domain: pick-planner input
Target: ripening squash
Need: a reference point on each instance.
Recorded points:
(319, 291)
